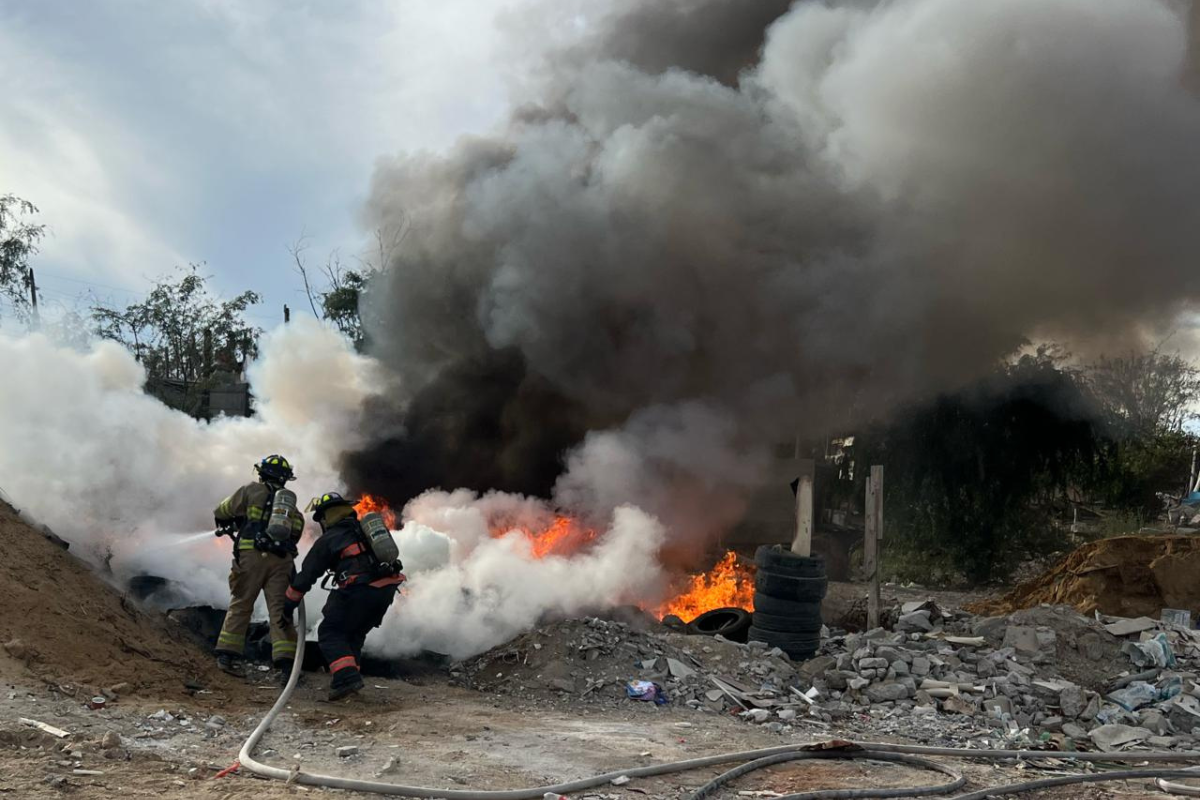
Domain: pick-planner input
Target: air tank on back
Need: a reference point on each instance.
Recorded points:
(283, 510)
(379, 538)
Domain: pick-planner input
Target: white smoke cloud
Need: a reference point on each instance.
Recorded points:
(126, 479)
(494, 588)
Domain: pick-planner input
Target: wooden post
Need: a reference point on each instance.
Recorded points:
(802, 543)
(871, 536)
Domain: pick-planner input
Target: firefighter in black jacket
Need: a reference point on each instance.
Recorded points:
(364, 590)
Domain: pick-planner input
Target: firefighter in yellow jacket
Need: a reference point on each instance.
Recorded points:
(260, 564)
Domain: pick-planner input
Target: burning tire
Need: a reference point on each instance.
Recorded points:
(805, 618)
(787, 587)
(784, 562)
(732, 623)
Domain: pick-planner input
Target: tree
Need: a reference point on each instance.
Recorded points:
(974, 479)
(1145, 394)
(339, 300)
(18, 241)
(183, 336)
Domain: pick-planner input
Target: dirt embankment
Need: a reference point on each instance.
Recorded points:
(70, 629)
(1126, 576)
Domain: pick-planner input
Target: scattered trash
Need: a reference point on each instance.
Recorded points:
(1111, 738)
(1155, 652)
(1128, 627)
(646, 690)
(1177, 616)
(98, 702)
(1134, 696)
(44, 728)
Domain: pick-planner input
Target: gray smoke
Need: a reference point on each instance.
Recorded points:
(895, 196)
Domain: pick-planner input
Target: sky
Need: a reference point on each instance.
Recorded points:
(154, 134)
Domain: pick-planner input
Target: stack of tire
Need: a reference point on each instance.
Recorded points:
(788, 590)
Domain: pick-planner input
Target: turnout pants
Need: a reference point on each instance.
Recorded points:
(255, 571)
(348, 616)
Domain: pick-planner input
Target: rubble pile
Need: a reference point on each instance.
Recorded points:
(593, 661)
(1044, 677)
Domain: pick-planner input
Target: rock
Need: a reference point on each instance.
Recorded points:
(889, 654)
(678, 669)
(347, 751)
(872, 663)
(787, 714)
(110, 740)
(620, 780)
(215, 722)
(858, 684)
(774, 727)
(920, 667)
(1052, 724)
(990, 628)
(958, 705)
(17, 649)
(1155, 721)
(1021, 638)
(1072, 702)
(1111, 738)
(817, 666)
(923, 699)
(997, 706)
(914, 622)
(1073, 731)
(119, 689)
(887, 692)
(1092, 709)
(899, 668)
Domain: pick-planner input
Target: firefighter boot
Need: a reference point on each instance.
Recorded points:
(283, 671)
(227, 662)
(345, 682)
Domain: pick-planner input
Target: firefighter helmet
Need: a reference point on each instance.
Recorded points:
(320, 505)
(275, 468)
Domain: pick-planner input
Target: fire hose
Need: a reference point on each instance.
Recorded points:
(753, 760)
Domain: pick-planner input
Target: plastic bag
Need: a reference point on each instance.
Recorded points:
(646, 690)
(1134, 696)
(1155, 652)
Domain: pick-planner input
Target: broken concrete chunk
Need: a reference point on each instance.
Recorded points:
(678, 669)
(347, 751)
(914, 622)
(887, 692)
(1022, 639)
(958, 705)
(1128, 627)
(1111, 738)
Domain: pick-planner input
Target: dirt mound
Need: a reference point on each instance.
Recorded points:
(1126, 576)
(70, 629)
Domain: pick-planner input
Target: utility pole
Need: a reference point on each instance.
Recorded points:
(287, 314)
(34, 321)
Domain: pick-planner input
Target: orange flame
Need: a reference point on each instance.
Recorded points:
(563, 537)
(368, 503)
(729, 583)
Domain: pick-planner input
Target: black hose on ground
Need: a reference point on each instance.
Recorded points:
(957, 781)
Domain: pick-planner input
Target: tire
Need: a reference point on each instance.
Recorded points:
(794, 644)
(782, 608)
(785, 562)
(732, 623)
(806, 622)
(784, 587)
